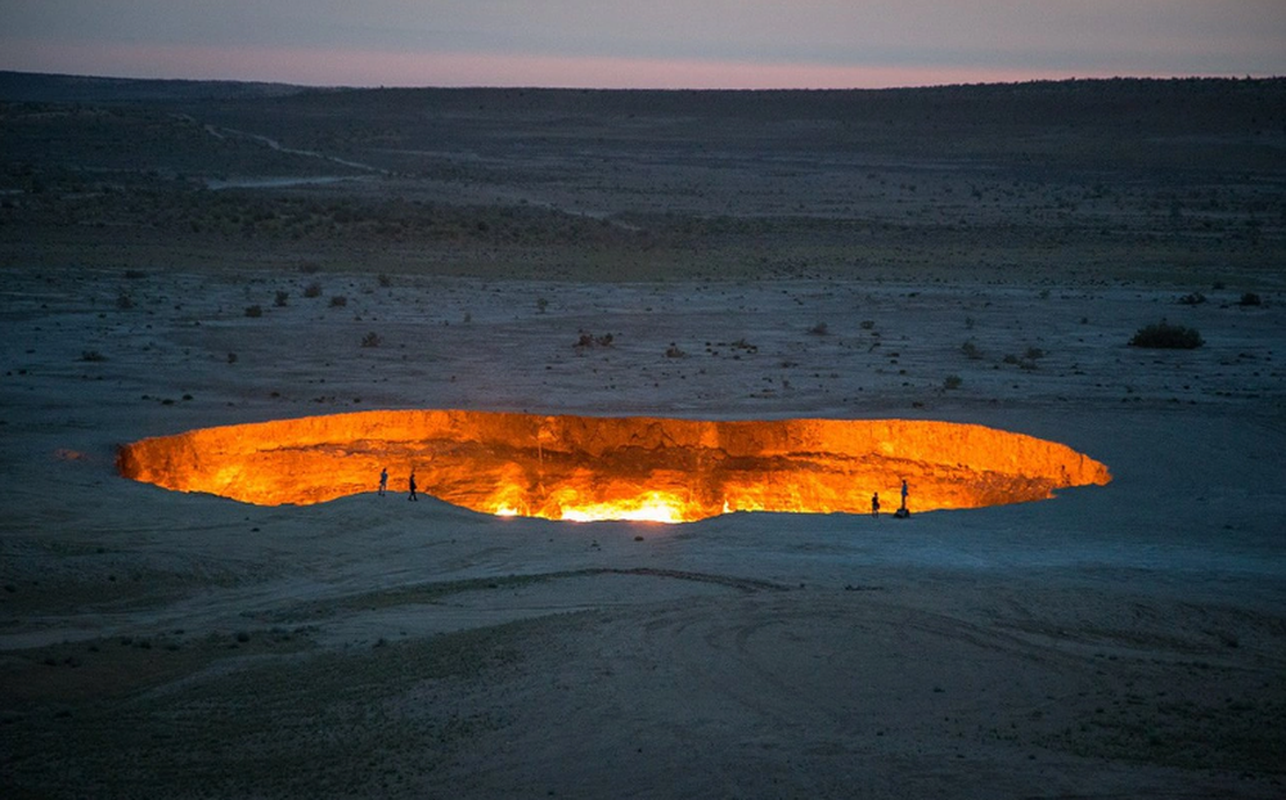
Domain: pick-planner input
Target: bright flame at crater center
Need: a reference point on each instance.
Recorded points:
(631, 468)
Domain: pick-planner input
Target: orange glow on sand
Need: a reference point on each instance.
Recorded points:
(595, 468)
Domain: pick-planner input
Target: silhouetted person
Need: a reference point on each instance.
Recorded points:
(383, 481)
(412, 484)
(875, 504)
(904, 508)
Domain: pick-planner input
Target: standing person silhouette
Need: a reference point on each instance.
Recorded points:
(875, 504)
(412, 485)
(904, 491)
(383, 480)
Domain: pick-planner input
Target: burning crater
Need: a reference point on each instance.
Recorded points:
(592, 468)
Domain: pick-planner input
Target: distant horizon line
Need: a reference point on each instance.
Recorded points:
(537, 87)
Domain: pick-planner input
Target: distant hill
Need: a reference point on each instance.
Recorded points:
(42, 88)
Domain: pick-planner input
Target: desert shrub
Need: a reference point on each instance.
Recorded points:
(1249, 299)
(541, 304)
(338, 301)
(313, 289)
(384, 280)
(590, 340)
(280, 299)
(952, 382)
(819, 329)
(254, 311)
(867, 324)
(673, 351)
(371, 339)
(1193, 299)
(1164, 335)
(1034, 353)
(92, 355)
(1010, 358)
(232, 358)
(124, 301)
(970, 349)
(309, 267)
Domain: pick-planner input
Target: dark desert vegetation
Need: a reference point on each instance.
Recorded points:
(1165, 335)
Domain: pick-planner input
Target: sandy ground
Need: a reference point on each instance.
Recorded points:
(1123, 641)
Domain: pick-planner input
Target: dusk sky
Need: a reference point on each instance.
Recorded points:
(631, 43)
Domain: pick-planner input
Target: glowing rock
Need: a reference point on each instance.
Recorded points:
(585, 468)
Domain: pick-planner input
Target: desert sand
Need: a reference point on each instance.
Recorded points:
(1126, 640)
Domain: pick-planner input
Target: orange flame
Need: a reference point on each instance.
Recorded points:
(592, 468)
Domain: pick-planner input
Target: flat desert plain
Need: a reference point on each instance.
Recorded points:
(177, 256)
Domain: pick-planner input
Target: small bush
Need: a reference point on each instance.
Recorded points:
(590, 340)
(952, 382)
(124, 301)
(1164, 335)
(313, 289)
(92, 355)
(254, 311)
(338, 301)
(371, 339)
(1249, 299)
(673, 351)
(1193, 299)
(1034, 353)
(867, 324)
(385, 280)
(971, 350)
(818, 330)
(541, 305)
(280, 300)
